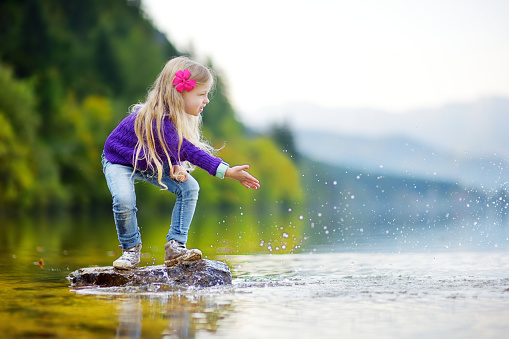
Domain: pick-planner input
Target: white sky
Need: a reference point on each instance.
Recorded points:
(385, 54)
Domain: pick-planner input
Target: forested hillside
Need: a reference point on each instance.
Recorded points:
(69, 70)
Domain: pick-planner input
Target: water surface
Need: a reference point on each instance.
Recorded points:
(375, 289)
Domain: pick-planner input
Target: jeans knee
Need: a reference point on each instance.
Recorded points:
(191, 188)
(124, 205)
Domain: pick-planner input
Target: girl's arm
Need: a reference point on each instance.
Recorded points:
(198, 157)
(239, 173)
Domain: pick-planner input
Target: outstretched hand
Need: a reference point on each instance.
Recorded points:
(239, 173)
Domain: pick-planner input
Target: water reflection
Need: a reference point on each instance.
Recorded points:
(129, 318)
(166, 314)
(90, 238)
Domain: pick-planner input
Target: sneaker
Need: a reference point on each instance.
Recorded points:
(176, 252)
(130, 258)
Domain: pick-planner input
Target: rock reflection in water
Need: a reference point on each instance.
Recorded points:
(187, 315)
(160, 311)
(129, 318)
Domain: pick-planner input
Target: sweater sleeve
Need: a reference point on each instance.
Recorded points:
(190, 152)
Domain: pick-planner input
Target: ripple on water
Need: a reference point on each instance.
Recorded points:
(418, 276)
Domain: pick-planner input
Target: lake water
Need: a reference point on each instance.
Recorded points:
(352, 289)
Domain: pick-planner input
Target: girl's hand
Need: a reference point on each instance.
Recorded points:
(179, 173)
(239, 173)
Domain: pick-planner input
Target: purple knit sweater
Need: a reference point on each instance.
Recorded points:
(120, 145)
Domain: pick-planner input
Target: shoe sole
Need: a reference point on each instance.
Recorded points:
(190, 255)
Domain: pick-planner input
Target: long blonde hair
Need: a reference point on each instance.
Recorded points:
(164, 101)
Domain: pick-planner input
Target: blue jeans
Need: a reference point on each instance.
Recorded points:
(121, 186)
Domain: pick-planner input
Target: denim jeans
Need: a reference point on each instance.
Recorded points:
(121, 186)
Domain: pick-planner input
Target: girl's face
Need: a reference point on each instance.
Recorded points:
(196, 100)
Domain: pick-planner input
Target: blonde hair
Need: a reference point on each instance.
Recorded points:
(164, 101)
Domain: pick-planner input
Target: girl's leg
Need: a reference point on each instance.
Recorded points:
(175, 250)
(183, 211)
(121, 186)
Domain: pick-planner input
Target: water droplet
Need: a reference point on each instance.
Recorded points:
(285, 235)
(301, 217)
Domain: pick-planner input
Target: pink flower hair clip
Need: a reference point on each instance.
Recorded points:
(182, 81)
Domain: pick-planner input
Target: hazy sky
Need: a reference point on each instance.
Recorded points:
(386, 54)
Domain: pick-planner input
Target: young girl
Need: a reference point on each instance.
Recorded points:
(155, 143)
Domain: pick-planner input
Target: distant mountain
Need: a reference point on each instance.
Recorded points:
(466, 143)
(402, 156)
(477, 128)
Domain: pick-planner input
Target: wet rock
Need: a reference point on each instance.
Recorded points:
(200, 273)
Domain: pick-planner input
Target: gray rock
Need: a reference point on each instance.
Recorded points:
(200, 273)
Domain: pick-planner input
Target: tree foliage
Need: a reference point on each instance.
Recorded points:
(17, 134)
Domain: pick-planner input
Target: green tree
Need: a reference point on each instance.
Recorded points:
(283, 136)
(23, 171)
